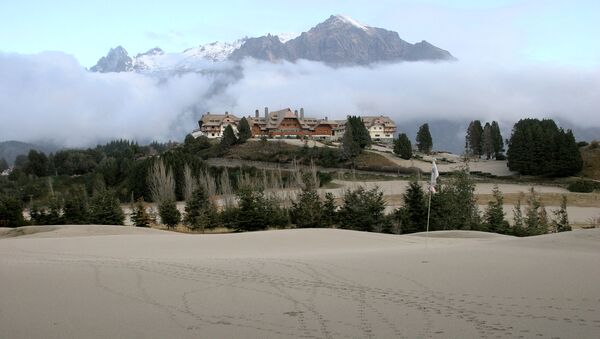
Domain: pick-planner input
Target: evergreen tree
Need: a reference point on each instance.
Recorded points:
(105, 209)
(459, 191)
(11, 211)
(329, 217)
(536, 218)
(76, 209)
(350, 147)
(54, 212)
(424, 141)
(359, 131)
(139, 215)
(498, 141)
(169, 214)
(413, 215)
(539, 147)
(403, 147)
(252, 213)
(228, 138)
(37, 163)
(199, 211)
(561, 217)
(494, 214)
(487, 142)
(474, 138)
(244, 131)
(307, 211)
(518, 228)
(363, 210)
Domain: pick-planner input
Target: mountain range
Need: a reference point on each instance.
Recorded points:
(338, 41)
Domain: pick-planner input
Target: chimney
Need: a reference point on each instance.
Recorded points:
(266, 112)
(302, 113)
(296, 113)
(207, 113)
(226, 113)
(256, 114)
(325, 118)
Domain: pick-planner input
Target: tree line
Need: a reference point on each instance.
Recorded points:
(535, 147)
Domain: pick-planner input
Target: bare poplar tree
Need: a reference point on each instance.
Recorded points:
(189, 184)
(162, 183)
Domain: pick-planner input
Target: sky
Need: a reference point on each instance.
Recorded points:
(516, 59)
(562, 32)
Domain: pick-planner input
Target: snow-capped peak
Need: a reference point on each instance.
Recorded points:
(215, 51)
(351, 21)
(285, 37)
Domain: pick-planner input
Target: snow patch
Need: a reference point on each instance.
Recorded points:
(285, 37)
(352, 22)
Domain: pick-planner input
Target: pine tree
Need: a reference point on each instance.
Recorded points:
(561, 217)
(228, 138)
(37, 163)
(474, 138)
(244, 131)
(494, 214)
(539, 147)
(253, 211)
(536, 218)
(413, 215)
(169, 214)
(199, 211)
(307, 211)
(105, 209)
(329, 217)
(54, 212)
(403, 147)
(11, 211)
(76, 210)
(487, 142)
(363, 210)
(359, 131)
(350, 147)
(424, 141)
(497, 140)
(139, 215)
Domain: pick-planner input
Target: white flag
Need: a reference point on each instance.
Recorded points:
(434, 175)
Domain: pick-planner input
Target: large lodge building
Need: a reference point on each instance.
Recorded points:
(286, 123)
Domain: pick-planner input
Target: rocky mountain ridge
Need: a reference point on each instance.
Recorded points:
(339, 40)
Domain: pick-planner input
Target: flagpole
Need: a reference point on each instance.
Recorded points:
(428, 211)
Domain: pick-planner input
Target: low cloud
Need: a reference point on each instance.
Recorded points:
(51, 97)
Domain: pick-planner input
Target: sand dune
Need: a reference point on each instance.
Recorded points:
(123, 282)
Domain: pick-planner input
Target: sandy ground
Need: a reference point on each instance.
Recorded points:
(498, 168)
(316, 283)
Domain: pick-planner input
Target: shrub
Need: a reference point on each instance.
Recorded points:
(105, 209)
(11, 212)
(582, 186)
(139, 216)
(363, 210)
(169, 214)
